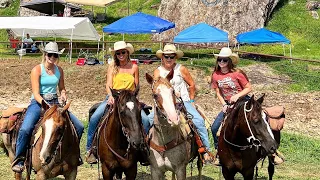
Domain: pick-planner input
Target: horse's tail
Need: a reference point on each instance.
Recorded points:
(5, 150)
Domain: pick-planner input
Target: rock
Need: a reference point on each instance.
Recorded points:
(4, 3)
(314, 14)
(233, 16)
(301, 102)
(310, 100)
(292, 2)
(312, 5)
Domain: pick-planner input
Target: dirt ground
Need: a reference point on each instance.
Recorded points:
(86, 85)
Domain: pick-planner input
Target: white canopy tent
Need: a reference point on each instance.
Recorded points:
(93, 2)
(79, 28)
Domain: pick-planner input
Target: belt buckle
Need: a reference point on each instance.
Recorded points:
(49, 96)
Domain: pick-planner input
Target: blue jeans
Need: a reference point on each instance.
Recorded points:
(30, 120)
(197, 120)
(95, 119)
(215, 127)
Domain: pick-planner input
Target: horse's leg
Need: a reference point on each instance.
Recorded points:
(156, 173)
(199, 165)
(181, 173)
(228, 175)
(131, 173)
(270, 168)
(71, 175)
(106, 173)
(41, 175)
(248, 174)
(173, 176)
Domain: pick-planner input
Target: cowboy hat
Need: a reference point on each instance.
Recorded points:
(169, 49)
(227, 52)
(52, 47)
(122, 45)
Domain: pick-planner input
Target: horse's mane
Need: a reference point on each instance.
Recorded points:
(50, 111)
(233, 113)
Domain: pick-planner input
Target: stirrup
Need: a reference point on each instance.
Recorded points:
(18, 164)
(91, 158)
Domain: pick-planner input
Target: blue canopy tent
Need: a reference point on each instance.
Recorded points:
(262, 36)
(201, 33)
(139, 23)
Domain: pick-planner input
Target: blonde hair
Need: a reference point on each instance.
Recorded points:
(115, 64)
(44, 58)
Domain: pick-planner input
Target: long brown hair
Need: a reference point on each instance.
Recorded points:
(231, 66)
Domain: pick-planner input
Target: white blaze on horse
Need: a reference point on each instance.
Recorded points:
(171, 148)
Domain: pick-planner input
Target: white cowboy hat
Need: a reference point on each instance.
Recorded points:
(52, 47)
(122, 45)
(227, 52)
(169, 49)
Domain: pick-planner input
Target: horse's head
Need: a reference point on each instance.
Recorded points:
(164, 97)
(253, 125)
(128, 109)
(53, 126)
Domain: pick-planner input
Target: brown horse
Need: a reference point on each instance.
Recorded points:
(55, 149)
(121, 136)
(170, 149)
(245, 138)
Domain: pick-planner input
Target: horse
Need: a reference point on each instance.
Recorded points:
(245, 139)
(55, 150)
(54, 145)
(121, 136)
(170, 149)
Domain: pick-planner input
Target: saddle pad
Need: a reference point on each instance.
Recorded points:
(276, 117)
(184, 126)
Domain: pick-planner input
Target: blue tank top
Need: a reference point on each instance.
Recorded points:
(49, 83)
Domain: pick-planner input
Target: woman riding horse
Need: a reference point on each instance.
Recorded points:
(181, 81)
(121, 74)
(45, 78)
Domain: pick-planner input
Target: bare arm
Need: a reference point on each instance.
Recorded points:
(35, 83)
(156, 74)
(136, 74)
(188, 79)
(109, 79)
(61, 86)
(246, 90)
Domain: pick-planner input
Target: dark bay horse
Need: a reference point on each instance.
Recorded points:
(170, 149)
(121, 136)
(245, 138)
(55, 149)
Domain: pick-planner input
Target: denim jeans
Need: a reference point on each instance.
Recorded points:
(30, 120)
(215, 127)
(95, 119)
(197, 120)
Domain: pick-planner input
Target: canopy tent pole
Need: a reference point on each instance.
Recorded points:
(70, 57)
(122, 36)
(291, 53)
(284, 51)
(98, 47)
(103, 46)
(20, 55)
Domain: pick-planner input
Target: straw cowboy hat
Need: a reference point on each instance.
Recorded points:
(122, 45)
(227, 52)
(169, 49)
(52, 47)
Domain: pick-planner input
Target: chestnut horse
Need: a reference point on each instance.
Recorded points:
(245, 138)
(121, 136)
(56, 151)
(170, 150)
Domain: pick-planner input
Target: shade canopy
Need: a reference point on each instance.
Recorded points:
(48, 6)
(93, 2)
(46, 26)
(261, 36)
(201, 33)
(139, 23)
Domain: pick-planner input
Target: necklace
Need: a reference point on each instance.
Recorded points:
(124, 64)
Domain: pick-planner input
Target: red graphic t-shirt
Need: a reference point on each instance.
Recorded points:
(229, 84)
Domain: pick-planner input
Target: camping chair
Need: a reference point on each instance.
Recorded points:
(90, 16)
(101, 17)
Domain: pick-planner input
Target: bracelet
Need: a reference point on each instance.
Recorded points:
(191, 100)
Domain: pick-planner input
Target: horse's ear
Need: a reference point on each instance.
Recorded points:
(66, 107)
(44, 105)
(149, 78)
(170, 75)
(136, 90)
(250, 102)
(260, 100)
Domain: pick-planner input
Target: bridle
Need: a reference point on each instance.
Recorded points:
(253, 141)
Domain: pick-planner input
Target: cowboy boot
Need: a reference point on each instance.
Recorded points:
(278, 158)
(18, 164)
(91, 157)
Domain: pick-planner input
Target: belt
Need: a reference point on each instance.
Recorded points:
(49, 96)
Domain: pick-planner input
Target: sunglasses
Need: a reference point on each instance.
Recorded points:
(53, 54)
(223, 60)
(121, 52)
(169, 56)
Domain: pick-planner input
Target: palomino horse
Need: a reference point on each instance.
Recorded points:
(170, 150)
(245, 138)
(121, 136)
(56, 151)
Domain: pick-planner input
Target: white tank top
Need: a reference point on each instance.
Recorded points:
(177, 81)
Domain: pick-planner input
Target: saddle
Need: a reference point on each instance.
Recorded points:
(276, 117)
(10, 118)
